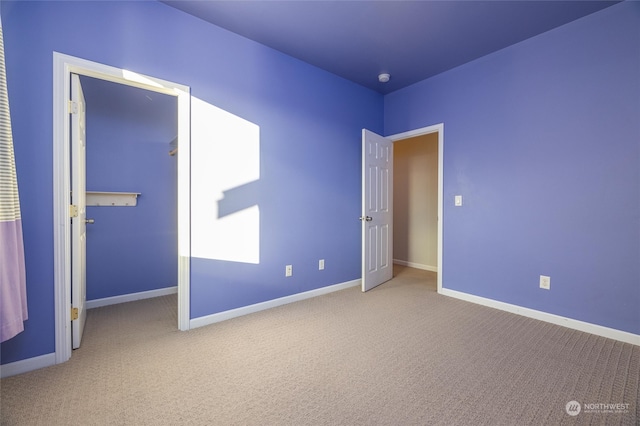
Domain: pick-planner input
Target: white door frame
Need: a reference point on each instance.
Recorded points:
(63, 66)
(439, 128)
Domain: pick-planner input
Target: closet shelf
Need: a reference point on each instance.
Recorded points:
(108, 199)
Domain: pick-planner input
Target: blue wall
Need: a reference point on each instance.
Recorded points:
(310, 123)
(542, 140)
(129, 131)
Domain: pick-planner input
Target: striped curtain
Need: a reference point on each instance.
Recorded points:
(13, 293)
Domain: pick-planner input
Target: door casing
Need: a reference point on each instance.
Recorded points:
(63, 66)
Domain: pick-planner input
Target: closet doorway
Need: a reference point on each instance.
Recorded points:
(131, 186)
(64, 67)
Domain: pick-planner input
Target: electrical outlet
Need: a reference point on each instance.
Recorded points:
(321, 264)
(288, 270)
(545, 282)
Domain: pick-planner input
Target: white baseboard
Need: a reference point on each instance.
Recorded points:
(96, 303)
(598, 330)
(416, 265)
(26, 365)
(245, 310)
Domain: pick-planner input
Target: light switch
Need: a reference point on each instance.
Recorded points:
(458, 200)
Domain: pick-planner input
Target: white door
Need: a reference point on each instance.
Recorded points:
(377, 203)
(79, 211)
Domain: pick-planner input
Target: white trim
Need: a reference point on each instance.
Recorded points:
(416, 265)
(61, 199)
(184, 291)
(124, 298)
(26, 365)
(63, 66)
(184, 210)
(574, 324)
(245, 310)
(425, 131)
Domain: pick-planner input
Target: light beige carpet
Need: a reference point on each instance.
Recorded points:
(398, 355)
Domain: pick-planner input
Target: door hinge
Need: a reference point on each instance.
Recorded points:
(73, 210)
(72, 107)
(74, 314)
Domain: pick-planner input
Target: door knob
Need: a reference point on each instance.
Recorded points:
(367, 218)
(90, 221)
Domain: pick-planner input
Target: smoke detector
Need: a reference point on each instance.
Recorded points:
(383, 78)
